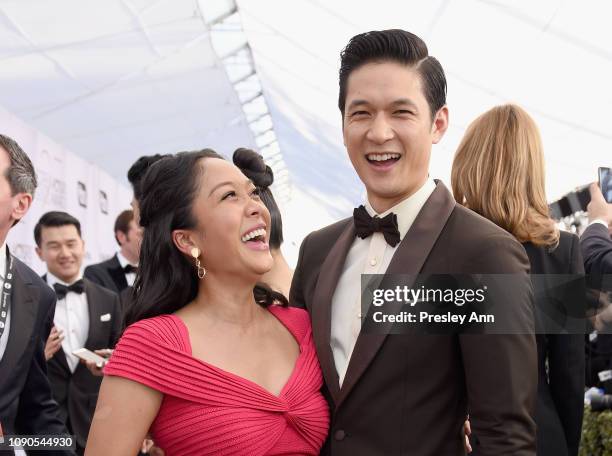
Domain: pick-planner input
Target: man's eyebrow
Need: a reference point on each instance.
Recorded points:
(358, 102)
(398, 102)
(404, 101)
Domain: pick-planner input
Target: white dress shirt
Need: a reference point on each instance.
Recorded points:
(72, 317)
(129, 276)
(604, 223)
(371, 255)
(7, 327)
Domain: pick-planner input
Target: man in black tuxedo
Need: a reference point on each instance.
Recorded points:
(86, 316)
(409, 394)
(26, 403)
(119, 272)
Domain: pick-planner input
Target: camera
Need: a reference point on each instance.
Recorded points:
(601, 402)
(571, 203)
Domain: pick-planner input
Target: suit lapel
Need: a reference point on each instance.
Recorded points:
(24, 309)
(59, 356)
(117, 274)
(95, 329)
(321, 306)
(408, 259)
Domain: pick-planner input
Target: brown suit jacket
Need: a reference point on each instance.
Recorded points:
(409, 394)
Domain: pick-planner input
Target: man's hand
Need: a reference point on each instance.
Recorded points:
(598, 208)
(467, 429)
(97, 369)
(54, 343)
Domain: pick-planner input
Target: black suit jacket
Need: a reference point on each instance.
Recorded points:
(596, 247)
(409, 394)
(26, 403)
(561, 385)
(77, 393)
(108, 274)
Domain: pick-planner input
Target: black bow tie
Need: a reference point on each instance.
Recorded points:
(366, 225)
(62, 290)
(129, 268)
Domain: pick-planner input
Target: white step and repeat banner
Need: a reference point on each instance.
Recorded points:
(65, 183)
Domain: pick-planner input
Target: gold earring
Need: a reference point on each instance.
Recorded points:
(195, 253)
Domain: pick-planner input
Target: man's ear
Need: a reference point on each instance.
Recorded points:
(183, 240)
(121, 237)
(39, 253)
(21, 205)
(440, 124)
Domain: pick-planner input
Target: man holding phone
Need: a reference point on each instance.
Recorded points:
(605, 183)
(595, 242)
(86, 316)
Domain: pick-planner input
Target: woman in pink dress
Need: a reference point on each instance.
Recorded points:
(210, 364)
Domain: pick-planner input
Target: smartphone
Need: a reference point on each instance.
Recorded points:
(605, 183)
(88, 355)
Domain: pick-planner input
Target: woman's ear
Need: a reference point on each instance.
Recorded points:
(183, 240)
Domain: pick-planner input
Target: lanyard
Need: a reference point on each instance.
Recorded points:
(7, 290)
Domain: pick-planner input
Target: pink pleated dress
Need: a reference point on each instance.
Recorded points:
(209, 411)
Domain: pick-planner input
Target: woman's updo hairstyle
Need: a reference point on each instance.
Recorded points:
(253, 166)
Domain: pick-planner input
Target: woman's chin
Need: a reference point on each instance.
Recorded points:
(263, 267)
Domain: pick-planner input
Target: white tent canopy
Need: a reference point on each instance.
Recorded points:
(117, 79)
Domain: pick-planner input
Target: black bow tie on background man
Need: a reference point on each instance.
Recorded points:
(62, 290)
(129, 268)
(365, 225)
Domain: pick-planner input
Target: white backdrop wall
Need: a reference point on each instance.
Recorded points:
(68, 183)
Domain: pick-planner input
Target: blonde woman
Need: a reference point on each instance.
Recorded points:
(498, 171)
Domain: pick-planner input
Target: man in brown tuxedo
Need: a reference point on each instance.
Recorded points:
(410, 394)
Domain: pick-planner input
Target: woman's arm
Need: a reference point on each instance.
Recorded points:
(124, 413)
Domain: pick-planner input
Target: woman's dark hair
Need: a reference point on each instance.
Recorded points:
(394, 46)
(138, 170)
(167, 280)
(253, 166)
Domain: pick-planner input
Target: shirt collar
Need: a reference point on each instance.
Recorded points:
(3, 260)
(123, 261)
(407, 209)
(51, 280)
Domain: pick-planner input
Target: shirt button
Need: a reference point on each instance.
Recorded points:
(373, 262)
(339, 435)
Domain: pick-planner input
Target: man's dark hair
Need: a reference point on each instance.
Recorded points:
(253, 166)
(138, 170)
(395, 46)
(21, 174)
(54, 219)
(122, 223)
